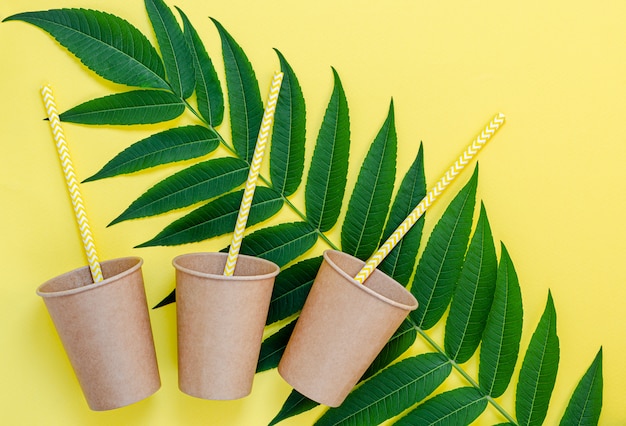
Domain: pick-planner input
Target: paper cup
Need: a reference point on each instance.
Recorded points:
(105, 330)
(342, 328)
(220, 323)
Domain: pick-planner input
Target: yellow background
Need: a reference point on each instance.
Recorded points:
(553, 179)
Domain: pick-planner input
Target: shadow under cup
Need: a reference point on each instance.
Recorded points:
(342, 328)
(220, 322)
(105, 330)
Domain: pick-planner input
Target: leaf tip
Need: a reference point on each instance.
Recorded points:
(167, 300)
(116, 220)
(217, 23)
(550, 300)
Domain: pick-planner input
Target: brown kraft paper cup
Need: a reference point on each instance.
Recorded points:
(220, 323)
(105, 330)
(342, 328)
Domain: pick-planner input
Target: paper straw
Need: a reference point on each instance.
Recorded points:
(255, 168)
(72, 184)
(432, 195)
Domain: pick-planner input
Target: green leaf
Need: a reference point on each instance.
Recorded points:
(585, 406)
(326, 182)
(197, 183)
(369, 203)
(288, 134)
(244, 97)
(209, 94)
(176, 56)
(456, 407)
(177, 144)
(503, 331)
(392, 391)
(136, 107)
(291, 288)
(217, 217)
(441, 262)
(473, 295)
(105, 43)
(273, 347)
(400, 262)
(538, 373)
(295, 404)
(401, 340)
(281, 243)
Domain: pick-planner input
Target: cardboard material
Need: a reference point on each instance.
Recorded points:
(105, 330)
(342, 328)
(220, 323)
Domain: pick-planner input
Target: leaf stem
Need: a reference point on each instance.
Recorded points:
(300, 215)
(460, 370)
(207, 124)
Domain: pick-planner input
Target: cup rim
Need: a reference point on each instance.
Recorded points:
(87, 287)
(177, 266)
(368, 290)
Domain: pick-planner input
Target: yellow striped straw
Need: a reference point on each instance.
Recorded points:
(432, 195)
(72, 183)
(255, 168)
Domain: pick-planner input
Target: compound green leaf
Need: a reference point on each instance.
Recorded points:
(291, 288)
(136, 107)
(218, 217)
(440, 265)
(244, 97)
(473, 294)
(326, 181)
(392, 391)
(209, 95)
(400, 262)
(458, 407)
(197, 183)
(503, 331)
(174, 49)
(105, 43)
(288, 135)
(168, 146)
(585, 406)
(538, 373)
(371, 197)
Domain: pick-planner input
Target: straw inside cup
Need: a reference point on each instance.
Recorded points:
(255, 169)
(343, 326)
(196, 264)
(393, 295)
(105, 330)
(79, 281)
(220, 321)
(72, 184)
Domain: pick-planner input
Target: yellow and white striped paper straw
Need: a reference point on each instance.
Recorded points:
(253, 174)
(72, 183)
(432, 195)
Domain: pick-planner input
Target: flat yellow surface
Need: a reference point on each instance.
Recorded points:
(552, 180)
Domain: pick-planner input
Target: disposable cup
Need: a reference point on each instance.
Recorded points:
(342, 328)
(105, 330)
(220, 322)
